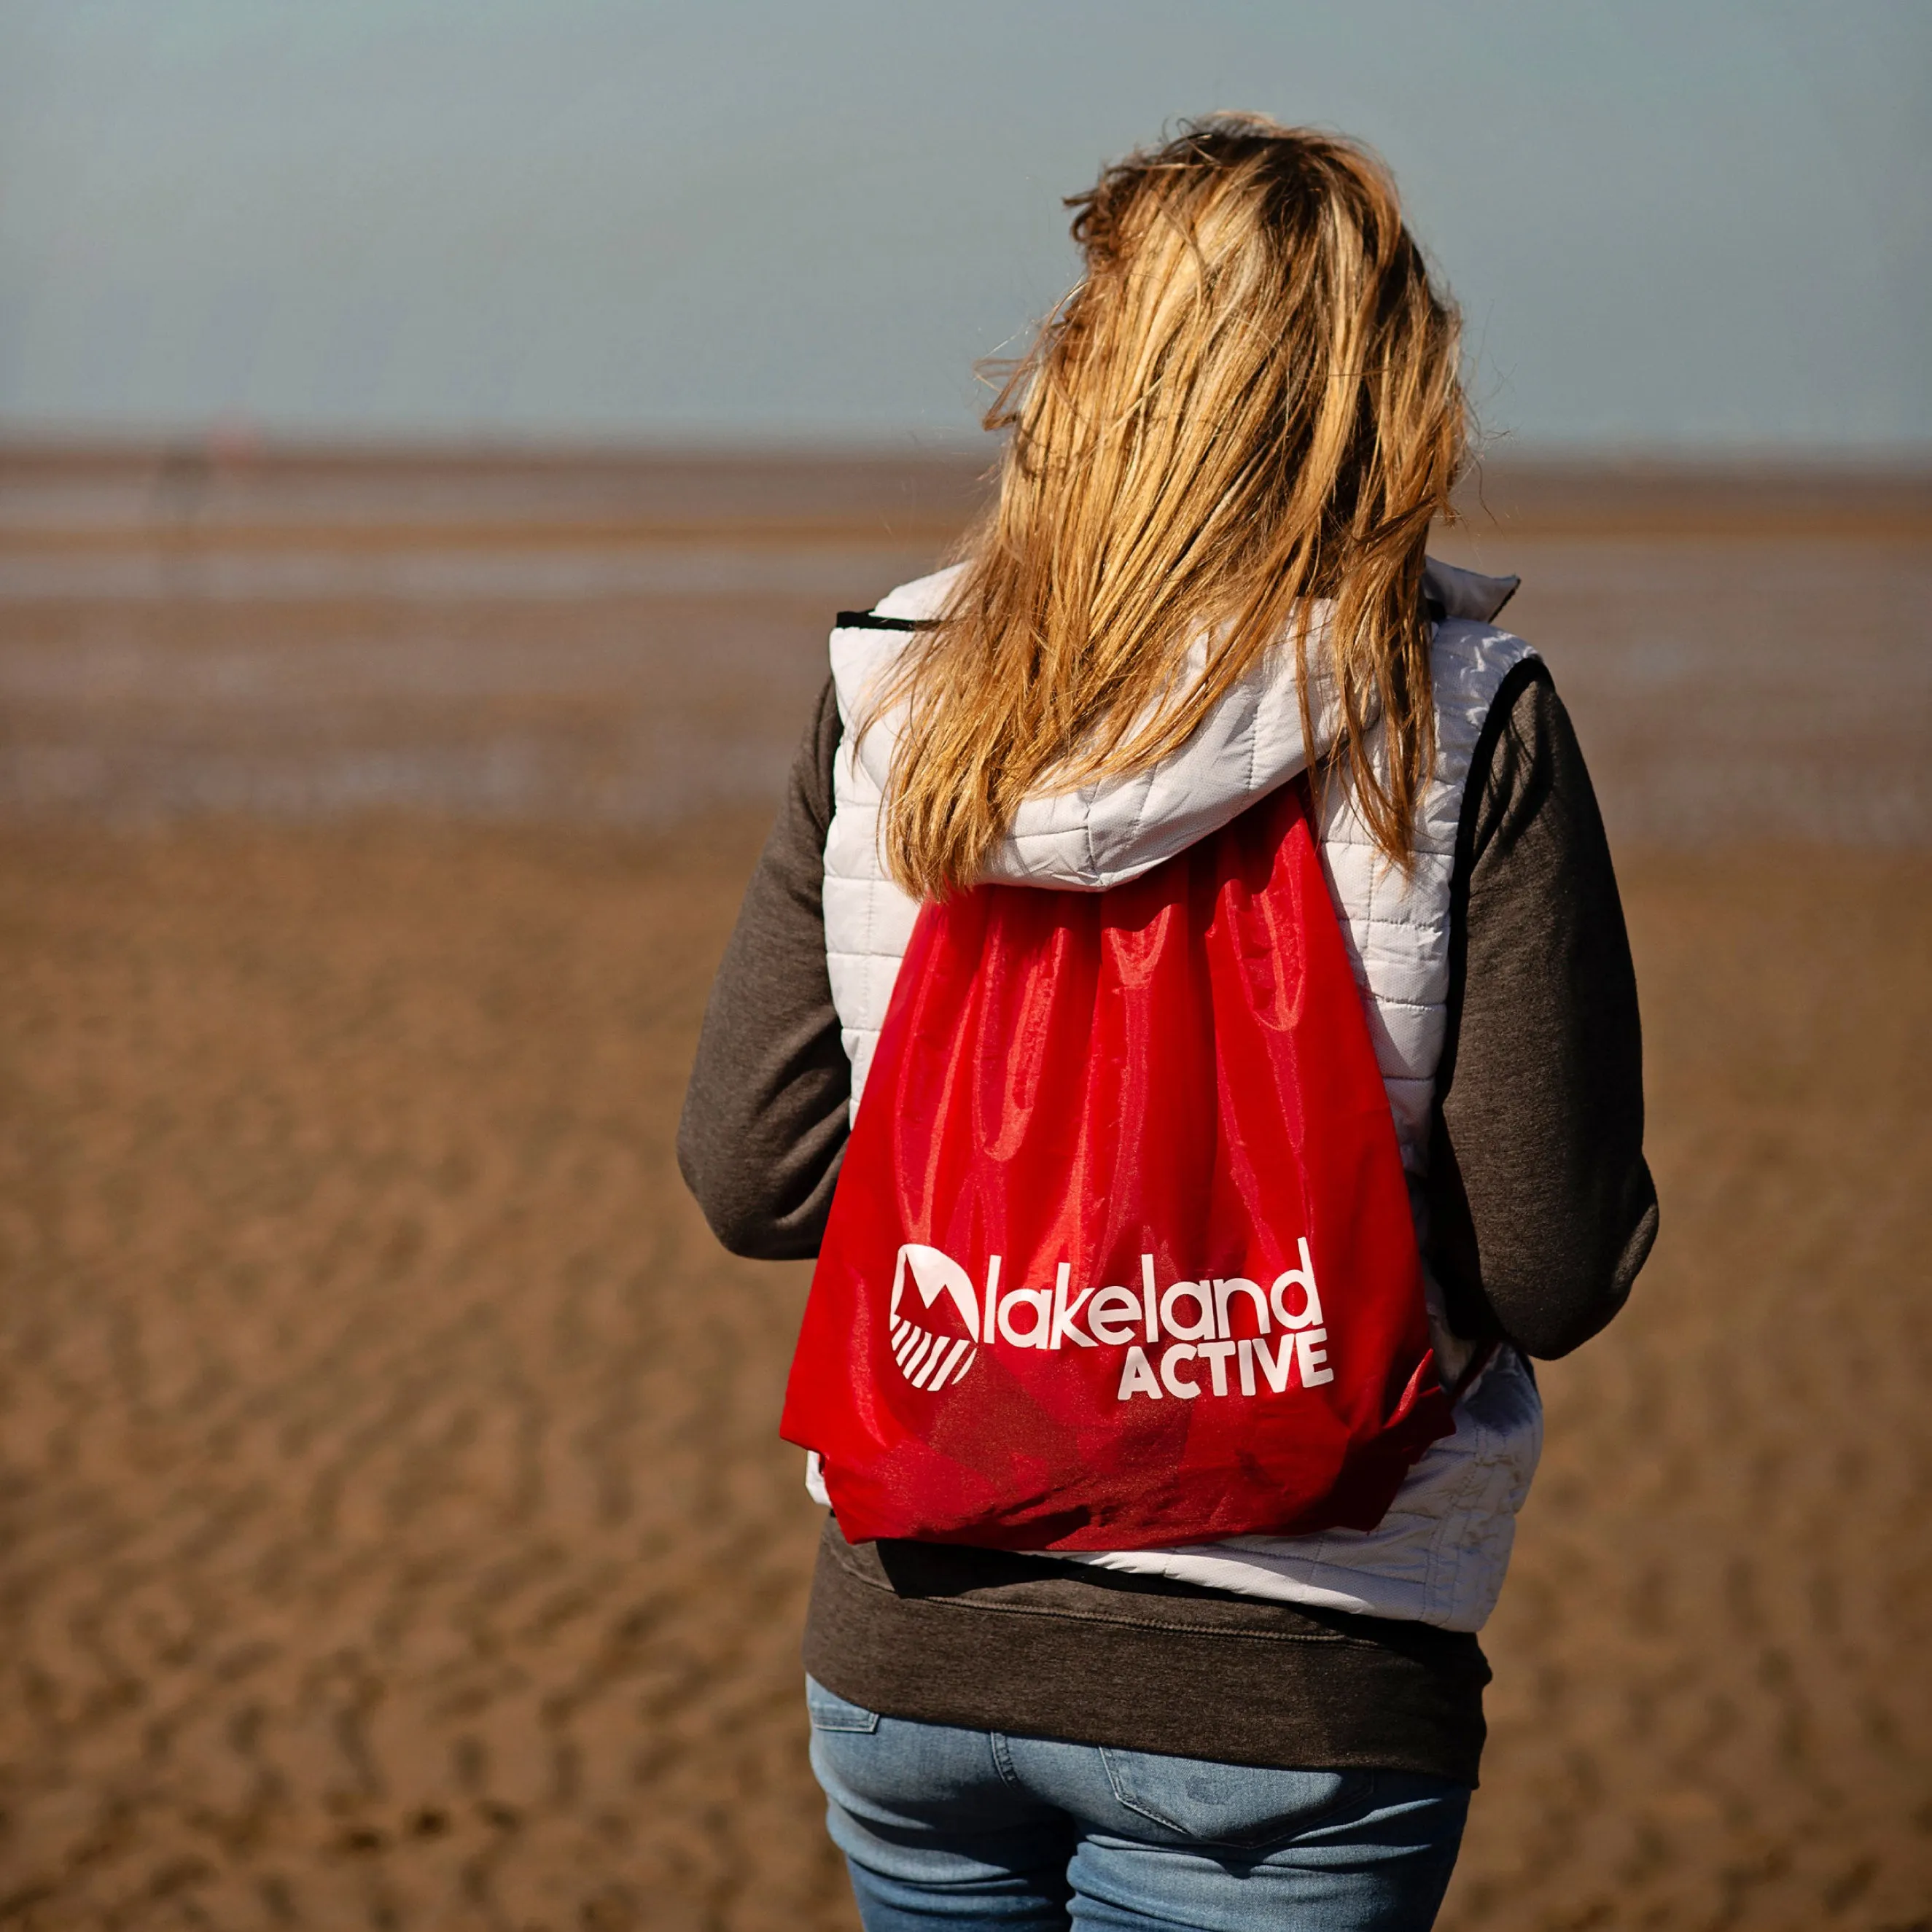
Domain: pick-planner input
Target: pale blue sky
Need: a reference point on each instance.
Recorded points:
(1687, 224)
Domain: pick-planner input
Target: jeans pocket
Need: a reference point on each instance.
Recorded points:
(1233, 1804)
(831, 1712)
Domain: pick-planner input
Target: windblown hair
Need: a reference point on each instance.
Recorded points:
(1249, 405)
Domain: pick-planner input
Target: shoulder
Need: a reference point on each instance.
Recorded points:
(1530, 821)
(1473, 662)
(865, 642)
(1478, 672)
(911, 607)
(920, 600)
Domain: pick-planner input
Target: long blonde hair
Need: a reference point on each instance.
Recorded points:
(1249, 402)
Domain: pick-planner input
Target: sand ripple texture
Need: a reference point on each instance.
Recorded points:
(396, 1534)
(396, 1531)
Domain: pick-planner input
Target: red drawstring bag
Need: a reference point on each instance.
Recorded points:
(1121, 1254)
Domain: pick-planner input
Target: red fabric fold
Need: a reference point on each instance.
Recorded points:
(1121, 1253)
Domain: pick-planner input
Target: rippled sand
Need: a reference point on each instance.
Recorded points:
(393, 1531)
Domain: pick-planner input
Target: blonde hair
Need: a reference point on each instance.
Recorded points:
(1249, 402)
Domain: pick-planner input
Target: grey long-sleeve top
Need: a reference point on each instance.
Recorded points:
(1542, 1209)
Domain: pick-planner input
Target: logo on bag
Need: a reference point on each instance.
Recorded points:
(1171, 1336)
(929, 1358)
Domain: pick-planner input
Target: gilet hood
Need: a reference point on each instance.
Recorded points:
(1114, 829)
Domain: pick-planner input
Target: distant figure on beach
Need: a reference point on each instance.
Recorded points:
(1209, 900)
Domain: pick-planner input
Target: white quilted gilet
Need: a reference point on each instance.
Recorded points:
(1439, 1556)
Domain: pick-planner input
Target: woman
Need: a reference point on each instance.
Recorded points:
(1203, 578)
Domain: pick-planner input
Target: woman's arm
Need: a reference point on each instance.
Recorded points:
(764, 1123)
(1542, 1209)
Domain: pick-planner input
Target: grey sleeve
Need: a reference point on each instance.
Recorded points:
(765, 1117)
(1542, 1208)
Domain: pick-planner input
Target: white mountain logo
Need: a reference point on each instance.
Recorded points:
(928, 1358)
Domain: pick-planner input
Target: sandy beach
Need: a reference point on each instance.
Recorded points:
(393, 1527)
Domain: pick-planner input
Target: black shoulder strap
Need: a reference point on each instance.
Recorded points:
(871, 620)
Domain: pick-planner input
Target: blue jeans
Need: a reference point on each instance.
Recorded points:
(942, 1826)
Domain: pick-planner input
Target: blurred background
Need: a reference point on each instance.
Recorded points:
(434, 439)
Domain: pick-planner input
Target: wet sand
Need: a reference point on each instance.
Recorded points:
(627, 642)
(394, 1529)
